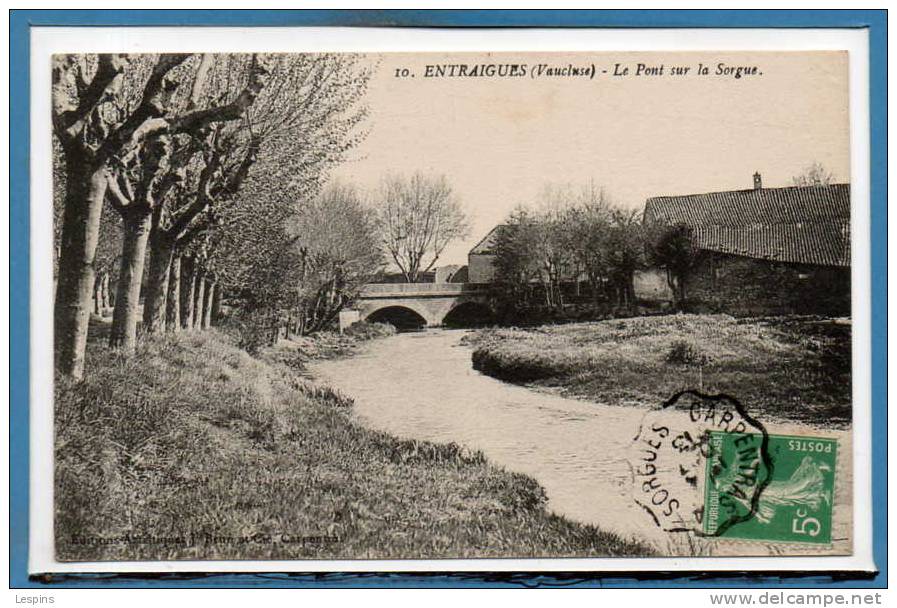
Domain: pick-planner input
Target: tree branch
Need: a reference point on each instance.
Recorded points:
(118, 200)
(237, 176)
(68, 123)
(194, 121)
(151, 106)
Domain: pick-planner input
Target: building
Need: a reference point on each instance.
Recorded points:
(397, 277)
(766, 250)
(481, 259)
(450, 273)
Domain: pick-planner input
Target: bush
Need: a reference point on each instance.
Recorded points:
(683, 352)
(365, 330)
(251, 331)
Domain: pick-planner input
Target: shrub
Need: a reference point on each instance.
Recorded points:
(365, 330)
(683, 352)
(250, 331)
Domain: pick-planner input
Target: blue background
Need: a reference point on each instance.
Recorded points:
(22, 20)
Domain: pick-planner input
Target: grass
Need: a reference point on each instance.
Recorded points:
(193, 449)
(787, 368)
(298, 350)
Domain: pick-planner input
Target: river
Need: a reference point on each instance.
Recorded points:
(422, 386)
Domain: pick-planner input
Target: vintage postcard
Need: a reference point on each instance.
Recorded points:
(452, 305)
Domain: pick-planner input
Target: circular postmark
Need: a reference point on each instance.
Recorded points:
(699, 464)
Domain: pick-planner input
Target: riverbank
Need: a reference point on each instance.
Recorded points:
(787, 368)
(193, 449)
(296, 351)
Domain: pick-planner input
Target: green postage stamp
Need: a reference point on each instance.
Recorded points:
(796, 482)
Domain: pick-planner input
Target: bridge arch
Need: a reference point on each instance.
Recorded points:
(469, 313)
(433, 302)
(404, 315)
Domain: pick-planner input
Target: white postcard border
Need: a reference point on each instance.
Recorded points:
(46, 41)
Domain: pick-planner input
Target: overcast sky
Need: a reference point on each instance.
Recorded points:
(500, 140)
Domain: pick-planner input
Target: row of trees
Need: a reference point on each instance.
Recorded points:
(575, 236)
(199, 163)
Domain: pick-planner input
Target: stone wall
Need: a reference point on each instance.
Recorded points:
(480, 267)
(651, 285)
(749, 286)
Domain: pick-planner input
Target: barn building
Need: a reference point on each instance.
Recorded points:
(481, 259)
(766, 250)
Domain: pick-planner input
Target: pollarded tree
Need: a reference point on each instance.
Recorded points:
(108, 239)
(417, 218)
(301, 123)
(141, 181)
(136, 192)
(218, 173)
(105, 109)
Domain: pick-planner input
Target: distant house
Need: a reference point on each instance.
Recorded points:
(397, 277)
(446, 274)
(460, 275)
(766, 250)
(481, 259)
(451, 273)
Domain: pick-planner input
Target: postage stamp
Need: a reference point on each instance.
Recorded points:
(702, 465)
(670, 456)
(794, 506)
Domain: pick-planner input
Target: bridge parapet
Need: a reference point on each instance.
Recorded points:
(423, 290)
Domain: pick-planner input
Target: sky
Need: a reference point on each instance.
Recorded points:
(500, 140)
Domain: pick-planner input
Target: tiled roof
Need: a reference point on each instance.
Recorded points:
(809, 225)
(487, 243)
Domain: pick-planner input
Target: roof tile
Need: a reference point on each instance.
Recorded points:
(809, 225)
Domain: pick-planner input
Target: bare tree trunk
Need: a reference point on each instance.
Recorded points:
(274, 333)
(127, 301)
(189, 297)
(200, 299)
(85, 190)
(216, 305)
(207, 305)
(104, 288)
(98, 295)
(111, 291)
(156, 294)
(173, 304)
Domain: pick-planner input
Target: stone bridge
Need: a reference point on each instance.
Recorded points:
(432, 303)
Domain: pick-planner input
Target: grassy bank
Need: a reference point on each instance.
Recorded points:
(298, 350)
(786, 368)
(193, 449)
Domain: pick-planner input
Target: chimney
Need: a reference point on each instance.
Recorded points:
(758, 182)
